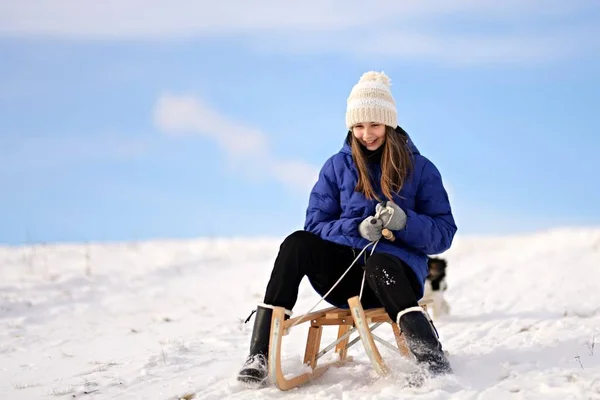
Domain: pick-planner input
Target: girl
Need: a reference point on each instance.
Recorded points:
(377, 180)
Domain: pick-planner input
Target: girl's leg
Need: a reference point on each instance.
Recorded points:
(301, 254)
(306, 254)
(395, 285)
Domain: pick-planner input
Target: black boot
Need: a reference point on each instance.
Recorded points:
(255, 370)
(422, 341)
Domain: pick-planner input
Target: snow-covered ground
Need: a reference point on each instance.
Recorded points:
(157, 320)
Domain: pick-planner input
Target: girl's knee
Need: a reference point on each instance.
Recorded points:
(380, 260)
(300, 239)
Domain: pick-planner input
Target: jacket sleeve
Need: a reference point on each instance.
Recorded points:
(324, 209)
(430, 227)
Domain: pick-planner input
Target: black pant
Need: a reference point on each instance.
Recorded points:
(389, 281)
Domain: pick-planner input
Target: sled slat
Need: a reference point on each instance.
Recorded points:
(308, 317)
(338, 314)
(329, 321)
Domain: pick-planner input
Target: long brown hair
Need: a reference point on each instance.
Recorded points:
(396, 165)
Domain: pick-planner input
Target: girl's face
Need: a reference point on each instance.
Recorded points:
(370, 134)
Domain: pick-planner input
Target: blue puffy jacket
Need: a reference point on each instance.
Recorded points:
(335, 210)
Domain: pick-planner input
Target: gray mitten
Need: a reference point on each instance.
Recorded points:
(392, 216)
(370, 228)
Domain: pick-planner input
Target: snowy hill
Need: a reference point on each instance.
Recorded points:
(155, 320)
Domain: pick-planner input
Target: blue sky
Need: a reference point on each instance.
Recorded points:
(136, 121)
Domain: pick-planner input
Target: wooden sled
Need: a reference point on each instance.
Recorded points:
(348, 321)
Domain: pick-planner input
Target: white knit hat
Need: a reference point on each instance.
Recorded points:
(371, 100)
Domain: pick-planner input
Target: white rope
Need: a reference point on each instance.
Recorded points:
(362, 285)
(338, 281)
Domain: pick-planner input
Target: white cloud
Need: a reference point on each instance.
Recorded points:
(247, 148)
(153, 18)
(451, 31)
(49, 151)
(452, 49)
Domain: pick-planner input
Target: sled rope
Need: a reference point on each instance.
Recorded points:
(338, 281)
(362, 285)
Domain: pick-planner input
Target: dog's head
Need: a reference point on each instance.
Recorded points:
(437, 270)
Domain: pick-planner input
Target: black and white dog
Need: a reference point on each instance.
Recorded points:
(435, 286)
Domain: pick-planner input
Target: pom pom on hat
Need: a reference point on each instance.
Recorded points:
(376, 76)
(371, 100)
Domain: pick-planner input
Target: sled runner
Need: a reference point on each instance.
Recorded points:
(348, 321)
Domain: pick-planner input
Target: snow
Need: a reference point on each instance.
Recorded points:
(161, 319)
